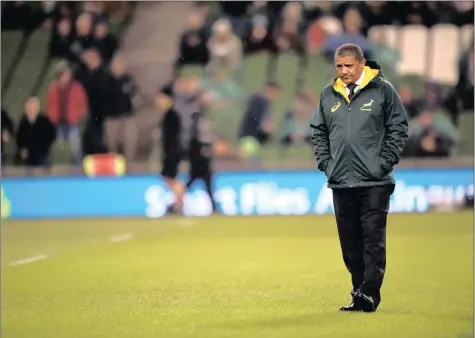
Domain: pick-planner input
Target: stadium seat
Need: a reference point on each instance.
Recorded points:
(390, 32)
(466, 35)
(444, 53)
(414, 49)
(331, 25)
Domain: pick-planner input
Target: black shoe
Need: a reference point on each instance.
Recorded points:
(353, 307)
(364, 302)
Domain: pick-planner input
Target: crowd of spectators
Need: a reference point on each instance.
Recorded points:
(88, 105)
(220, 42)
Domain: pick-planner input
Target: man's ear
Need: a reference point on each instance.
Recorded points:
(363, 62)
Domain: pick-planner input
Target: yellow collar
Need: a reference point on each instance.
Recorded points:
(369, 74)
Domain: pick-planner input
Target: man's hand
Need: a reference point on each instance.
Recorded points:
(24, 154)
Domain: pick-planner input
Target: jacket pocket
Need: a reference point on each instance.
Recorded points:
(368, 168)
(328, 169)
(337, 171)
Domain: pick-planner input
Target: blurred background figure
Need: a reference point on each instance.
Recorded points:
(83, 39)
(120, 129)
(224, 48)
(193, 49)
(257, 121)
(93, 77)
(104, 42)
(35, 136)
(7, 132)
(294, 129)
(67, 105)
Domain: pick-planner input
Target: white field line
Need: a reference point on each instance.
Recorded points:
(29, 260)
(121, 238)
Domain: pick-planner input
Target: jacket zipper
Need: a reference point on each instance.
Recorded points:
(348, 135)
(348, 161)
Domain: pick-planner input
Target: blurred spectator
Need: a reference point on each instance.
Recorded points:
(223, 92)
(431, 135)
(289, 36)
(313, 10)
(224, 47)
(7, 132)
(411, 105)
(352, 34)
(461, 96)
(35, 136)
(257, 118)
(235, 12)
(294, 128)
(388, 57)
(120, 129)
(258, 34)
(465, 12)
(374, 13)
(432, 97)
(289, 33)
(104, 42)
(316, 37)
(60, 43)
(63, 10)
(415, 13)
(93, 78)
(96, 9)
(193, 50)
(66, 106)
(83, 39)
(447, 12)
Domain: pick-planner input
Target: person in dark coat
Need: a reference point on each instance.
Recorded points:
(104, 41)
(119, 125)
(36, 134)
(93, 78)
(60, 43)
(7, 131)
(83, 38)
(359, 131)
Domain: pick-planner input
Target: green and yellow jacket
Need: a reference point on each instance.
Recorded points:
(357, 142)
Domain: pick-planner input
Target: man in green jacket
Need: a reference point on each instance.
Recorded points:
(358, 132)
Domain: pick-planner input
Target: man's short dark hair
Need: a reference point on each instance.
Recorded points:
(350, 49)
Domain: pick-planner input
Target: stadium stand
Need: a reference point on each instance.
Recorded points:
(412, 53)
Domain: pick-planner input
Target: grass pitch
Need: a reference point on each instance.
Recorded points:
(230, 277)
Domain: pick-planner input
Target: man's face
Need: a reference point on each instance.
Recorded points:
(348, 68)
(65, 77)
(32, 108)
(101, 30)
(118, 66)
(272, 93)
(83, 25)
(64, 28)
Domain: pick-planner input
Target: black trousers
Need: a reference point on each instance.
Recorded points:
(361, 215)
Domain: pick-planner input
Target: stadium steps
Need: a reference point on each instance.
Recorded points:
(150, 46)
(10, 42)
(27, 73)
